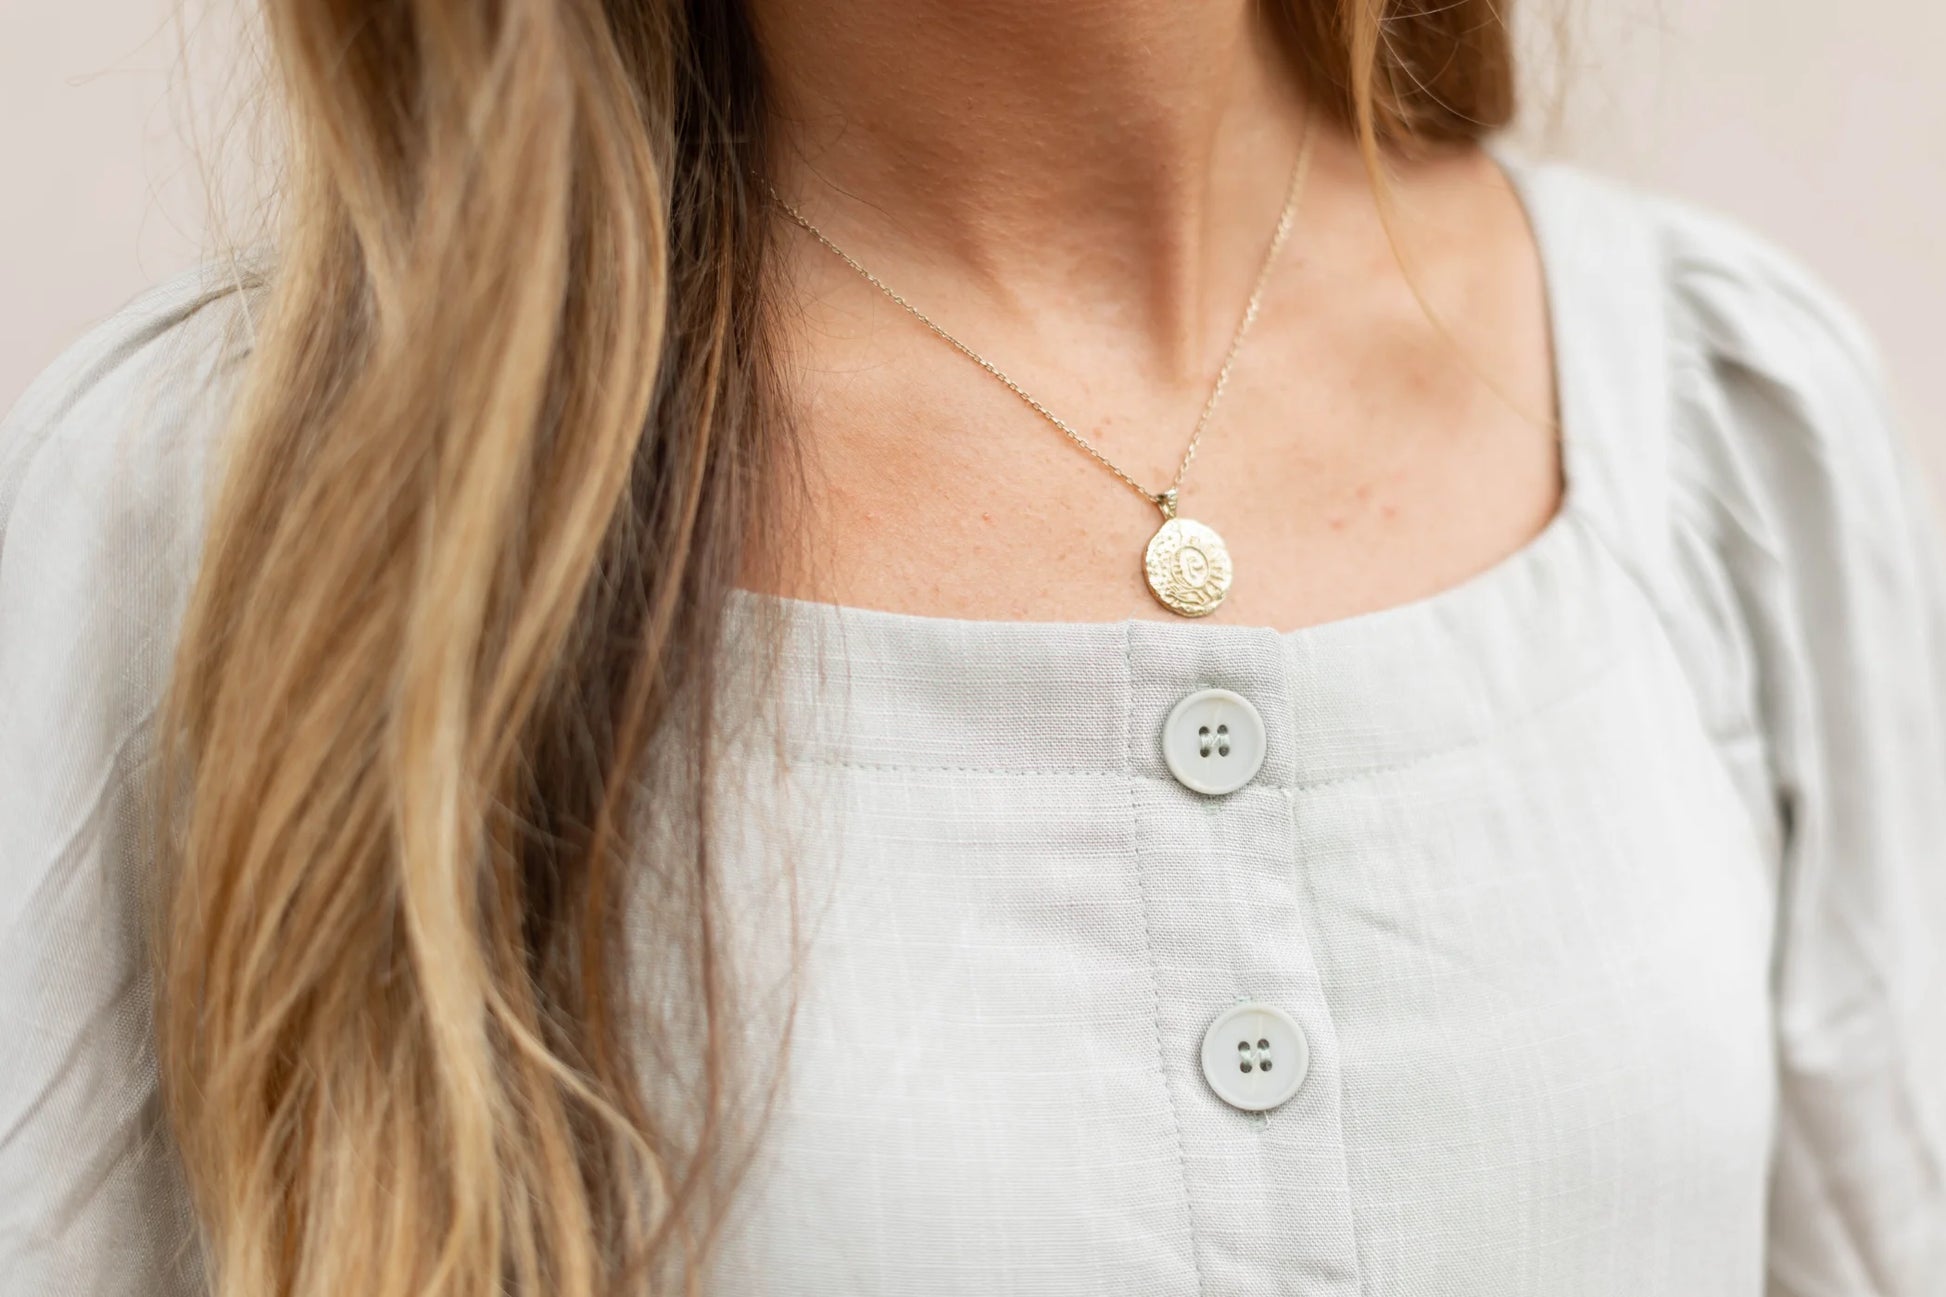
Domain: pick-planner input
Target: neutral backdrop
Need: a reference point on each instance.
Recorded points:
(1825, 129)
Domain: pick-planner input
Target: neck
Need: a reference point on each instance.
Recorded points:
(1125, 157)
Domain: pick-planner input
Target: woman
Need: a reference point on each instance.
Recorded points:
(903, 647)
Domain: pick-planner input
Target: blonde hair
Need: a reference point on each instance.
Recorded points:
(505, 427)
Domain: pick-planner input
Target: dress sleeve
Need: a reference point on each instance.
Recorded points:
(1836, 558)
(102, 468)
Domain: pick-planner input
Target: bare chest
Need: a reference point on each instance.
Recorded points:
(1336, 488)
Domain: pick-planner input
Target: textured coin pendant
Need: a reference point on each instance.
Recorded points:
(1188, 566)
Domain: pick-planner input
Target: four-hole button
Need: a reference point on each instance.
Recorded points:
(1255, 1056)
(1214, 741)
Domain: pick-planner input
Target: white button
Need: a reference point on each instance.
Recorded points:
(1255, 1056)
(1213, 741)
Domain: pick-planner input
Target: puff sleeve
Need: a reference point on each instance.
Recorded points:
(1829, 536)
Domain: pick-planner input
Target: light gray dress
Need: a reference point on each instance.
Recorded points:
(1592, 909)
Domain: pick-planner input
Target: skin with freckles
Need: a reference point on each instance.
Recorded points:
(1083, 192)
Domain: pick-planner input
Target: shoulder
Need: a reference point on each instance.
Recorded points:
(1730, 434)
(1711, 368)
(1764, 349)
(105, 470)
(150, 380)
(105, 458)
(1694, 289)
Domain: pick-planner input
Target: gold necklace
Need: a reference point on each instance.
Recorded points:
(1187, 565)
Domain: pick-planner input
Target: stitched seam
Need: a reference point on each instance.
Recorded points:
(894, 766)
(1567, 696)
(1661, 618)
(1580, 690)
(1511, 725)
(1319, 955)
(1690, 493)
(1155, 980)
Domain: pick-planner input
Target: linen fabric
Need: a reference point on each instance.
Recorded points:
(1607, 887)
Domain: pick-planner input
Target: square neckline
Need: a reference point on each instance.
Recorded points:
(1514, 570)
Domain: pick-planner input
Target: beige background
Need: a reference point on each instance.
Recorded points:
(1826, 132)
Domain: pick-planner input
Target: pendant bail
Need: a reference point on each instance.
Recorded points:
(1166, 501)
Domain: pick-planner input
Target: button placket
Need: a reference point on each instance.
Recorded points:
(1221, 899)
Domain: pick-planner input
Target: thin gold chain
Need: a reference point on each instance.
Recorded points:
(1165, 498)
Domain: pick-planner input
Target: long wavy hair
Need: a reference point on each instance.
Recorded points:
(507, 424)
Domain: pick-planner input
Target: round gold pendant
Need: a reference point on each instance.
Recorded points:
(1188, 567)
